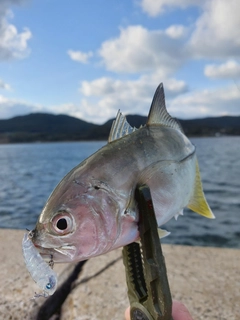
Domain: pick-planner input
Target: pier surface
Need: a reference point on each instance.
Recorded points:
(206, 280)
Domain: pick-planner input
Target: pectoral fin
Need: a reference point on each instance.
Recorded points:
(198, 202)
(163, 233)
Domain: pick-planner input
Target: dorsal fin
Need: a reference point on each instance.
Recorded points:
(120, 127)
(158, 113)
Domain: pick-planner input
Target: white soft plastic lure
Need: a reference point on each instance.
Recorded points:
(40, 271)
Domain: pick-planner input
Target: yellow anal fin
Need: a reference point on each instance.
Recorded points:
(198, 202)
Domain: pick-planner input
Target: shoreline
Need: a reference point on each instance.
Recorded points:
(8, 142)
(206, 279)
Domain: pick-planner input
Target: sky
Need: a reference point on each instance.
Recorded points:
(90, 58)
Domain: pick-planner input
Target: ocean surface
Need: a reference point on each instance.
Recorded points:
(29, 173)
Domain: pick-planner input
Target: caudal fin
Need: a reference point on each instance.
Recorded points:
(198, 202)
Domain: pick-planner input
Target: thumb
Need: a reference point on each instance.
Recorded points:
(180, 312)
(127, 314)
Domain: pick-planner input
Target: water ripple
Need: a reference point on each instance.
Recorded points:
(29, 172)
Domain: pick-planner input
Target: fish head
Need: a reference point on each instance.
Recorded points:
(82, 218)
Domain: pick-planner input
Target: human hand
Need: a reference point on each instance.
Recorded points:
(179, 312)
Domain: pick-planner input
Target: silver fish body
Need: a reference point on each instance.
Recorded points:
(92, 210)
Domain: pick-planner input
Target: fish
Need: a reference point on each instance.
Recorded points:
(93, 210)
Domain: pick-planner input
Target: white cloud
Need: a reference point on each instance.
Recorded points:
(150, 56)
(227, 70)
(215, 34)
(107, 95)
(13, 107)
(205, 103)
(139, 50)
(176, 31)
(71, 109)
(4, 85)
(16, 107)
(174, 87)
(99, 87)
(217, 31)
(156, 7)
(134, 97)
(80, 56)
(103, 97)
(13, 45)
(140, 89)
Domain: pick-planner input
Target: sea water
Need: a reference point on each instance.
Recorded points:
(29, 173)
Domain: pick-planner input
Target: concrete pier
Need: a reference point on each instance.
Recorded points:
(206, 280)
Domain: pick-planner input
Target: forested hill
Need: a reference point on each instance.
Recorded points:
(48, 127)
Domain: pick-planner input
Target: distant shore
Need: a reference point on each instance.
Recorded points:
(4, 141)
(41, 127)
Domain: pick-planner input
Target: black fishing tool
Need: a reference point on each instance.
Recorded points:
(146, 275)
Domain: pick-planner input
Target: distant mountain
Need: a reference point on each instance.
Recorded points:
(45, 127)
(226, 125)
(49, 127)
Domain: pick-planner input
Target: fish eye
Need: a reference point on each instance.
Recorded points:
(62, 223)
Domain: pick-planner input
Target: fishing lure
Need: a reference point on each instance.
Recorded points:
(40, 270)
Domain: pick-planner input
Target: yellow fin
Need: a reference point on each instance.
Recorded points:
(198, 202)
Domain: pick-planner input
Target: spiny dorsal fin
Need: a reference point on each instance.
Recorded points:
(120, 127)
(198, 202)
(180, 213)
(158, 113)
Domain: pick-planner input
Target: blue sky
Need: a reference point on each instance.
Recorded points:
(89, 58)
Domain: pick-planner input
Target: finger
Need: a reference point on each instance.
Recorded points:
(127, 314)
(180, 312)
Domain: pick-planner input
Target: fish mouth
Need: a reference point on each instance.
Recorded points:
(68, 251)
(58, 251)
(65, 253)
